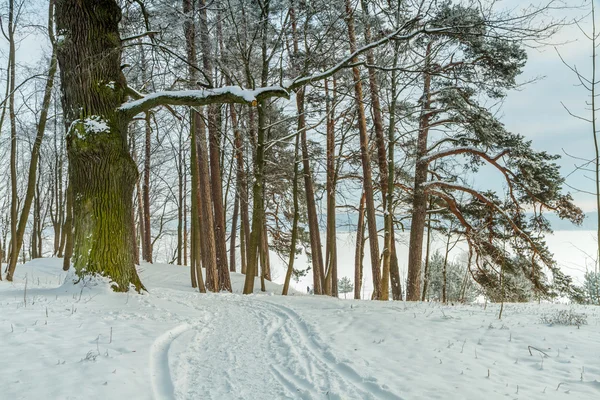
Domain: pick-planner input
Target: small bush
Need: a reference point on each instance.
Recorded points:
(564, 317)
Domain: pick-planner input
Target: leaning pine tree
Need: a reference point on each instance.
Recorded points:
(459, 69)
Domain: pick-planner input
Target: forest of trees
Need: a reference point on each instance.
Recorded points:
(212, 133)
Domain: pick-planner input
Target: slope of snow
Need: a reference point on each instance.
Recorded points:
(85, 342)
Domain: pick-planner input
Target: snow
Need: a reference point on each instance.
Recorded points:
(93, 124)
(247, 95)
(86, 342)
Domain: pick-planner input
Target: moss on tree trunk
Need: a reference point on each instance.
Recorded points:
(102, 172)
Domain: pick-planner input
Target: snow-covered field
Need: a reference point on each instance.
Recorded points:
(74, 342)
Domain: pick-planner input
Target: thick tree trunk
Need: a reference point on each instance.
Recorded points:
(366, 160)
(419, 211)
(102, 172)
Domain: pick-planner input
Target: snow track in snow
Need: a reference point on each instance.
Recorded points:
(175, 343)
(251, 346)
(160, 375)
(338, 375)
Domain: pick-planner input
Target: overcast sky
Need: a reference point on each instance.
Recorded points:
(536, 110)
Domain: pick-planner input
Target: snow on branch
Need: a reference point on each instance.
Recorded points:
(462, 150)
(226, 94)
(236, 94)
(350, 60)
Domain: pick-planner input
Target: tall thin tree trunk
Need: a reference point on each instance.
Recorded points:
(180, 203)
(146, 191)
(195, 124)
(265, 251)
(234, 218)
(294, 239)
(331, 250)
(445, 271)
(595, 135)
(258, 210)
(242, 187)
(224, 281)
(381, 155)
(319, 281)
(185, 216)
(141, 226)
(419, 211)
(68, 229)
(360, 248)
(14, 253)
(195, 260)
(426, 271)
(258, 213)
(365, 159)
(19, 231)
(207, 242)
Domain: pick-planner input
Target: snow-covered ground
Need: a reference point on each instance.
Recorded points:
(73, 342)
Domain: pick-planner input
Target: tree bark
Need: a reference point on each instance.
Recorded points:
(195, 121)
(35, 154)
(14, 254)
(258, 210)
(360, 248)
(102, 172)
(224, 281)
(365, 159)
(208, 245)
(68, 229)
(331, 250)
(294, 239)
(242, 188)
(419, 212)
(146, 191)
(232, 241)
(381, 154)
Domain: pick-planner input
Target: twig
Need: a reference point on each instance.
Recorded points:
(531, 347)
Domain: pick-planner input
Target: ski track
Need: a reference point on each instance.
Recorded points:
(279, 353)
(344, 374)
(160, 374)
